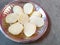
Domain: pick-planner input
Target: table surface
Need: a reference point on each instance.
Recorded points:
(52, 36)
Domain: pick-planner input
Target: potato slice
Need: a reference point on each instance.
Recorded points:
(17, 9)
(15, 29)
(28, 8)
(23, 19)
(29, 29)
(39, 22)
(36, 13)
(11, 18)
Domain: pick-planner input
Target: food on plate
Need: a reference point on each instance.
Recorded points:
(11, 18)
(29, 29)
(28, 8)
(16, 28)
(17, 9)
(23, 19)
(36, 13)
(21, 22)
(39, 22)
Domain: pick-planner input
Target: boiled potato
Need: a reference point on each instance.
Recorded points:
(29, 29)
(23, 19)
(28, 8)
(15, 29)
(36, 13)
(17, 9)
(39, 22)
(12, 18)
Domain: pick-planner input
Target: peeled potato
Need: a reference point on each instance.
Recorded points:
(28, 8)
(39, 22)
(17, 9)
(36, 13)
(15, 29)
(29, 29)
(11, 18)
(23, 19)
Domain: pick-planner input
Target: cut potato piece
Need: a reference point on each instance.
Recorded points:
(39, 22)
(28, 8)
(11, 18)
(15, 29)
(17, 9)
(36, 13)
(29, 29)
(23, 19)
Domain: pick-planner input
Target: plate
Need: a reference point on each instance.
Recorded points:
(4, 26)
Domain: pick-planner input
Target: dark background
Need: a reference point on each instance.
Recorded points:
(52, 36)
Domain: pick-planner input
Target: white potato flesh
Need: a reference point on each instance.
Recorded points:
(15, 29)
(11, 18)
(39, 22)
(23, 19)
(36, 13)
(28, 8)
(29, 29)
(17, 9)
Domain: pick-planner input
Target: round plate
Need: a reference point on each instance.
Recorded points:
(20, 38)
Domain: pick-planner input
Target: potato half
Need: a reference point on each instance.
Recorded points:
(29, 29)
(17, 9)
(23, 19)
(28, 8)
(39, 22)
(15, 29)
(36, 13)
(12, 18)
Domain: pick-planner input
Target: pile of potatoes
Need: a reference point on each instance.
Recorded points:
(24, 20)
